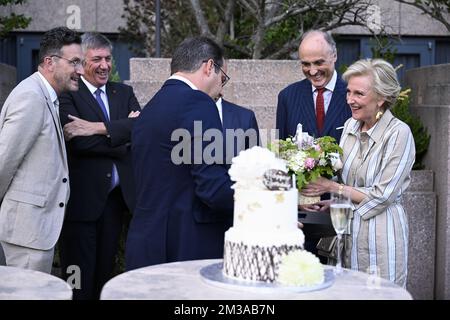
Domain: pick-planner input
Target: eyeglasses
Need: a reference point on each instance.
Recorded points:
(225, 77)
(76, 63)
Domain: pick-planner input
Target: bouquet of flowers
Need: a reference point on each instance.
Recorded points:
(309, 158)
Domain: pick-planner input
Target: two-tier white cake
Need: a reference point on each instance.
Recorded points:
(265, 221)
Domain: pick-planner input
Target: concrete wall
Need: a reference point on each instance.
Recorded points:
(7, 81)
(255, 84)
(400, 19)
(431, 101)
(420, 205)
(83, 15)
(106, 16)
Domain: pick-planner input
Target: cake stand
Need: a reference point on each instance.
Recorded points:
(212, 274)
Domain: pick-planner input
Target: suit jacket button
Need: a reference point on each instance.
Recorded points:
(64, 180)
(61, 204)
(108, 175)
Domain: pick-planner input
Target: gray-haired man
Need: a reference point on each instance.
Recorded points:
(97, 125)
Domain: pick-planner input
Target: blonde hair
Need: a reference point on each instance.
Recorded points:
(385, 81)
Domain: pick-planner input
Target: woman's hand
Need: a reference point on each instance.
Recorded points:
(318, 187)
(320, 206)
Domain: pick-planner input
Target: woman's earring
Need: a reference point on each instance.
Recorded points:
(379, 115)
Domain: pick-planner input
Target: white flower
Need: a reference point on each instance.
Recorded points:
(247, 169)
(322, 162)
(296, 161)
(336, 162)
(300, 268)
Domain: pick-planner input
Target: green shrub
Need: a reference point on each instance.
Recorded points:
(114, 76)
(421, 137)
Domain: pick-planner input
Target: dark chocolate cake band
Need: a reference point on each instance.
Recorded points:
(254, 263)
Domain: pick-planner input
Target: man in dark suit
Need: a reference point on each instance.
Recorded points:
(239, 124)
(184, 200)
(319, 101)
(240, 127)
(97, 126)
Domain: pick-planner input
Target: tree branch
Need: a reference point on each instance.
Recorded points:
(225, 23)
(246, 5)
(286, 14)
(243, 50)
(200, 18)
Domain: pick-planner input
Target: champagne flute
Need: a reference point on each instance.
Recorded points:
(340, 209)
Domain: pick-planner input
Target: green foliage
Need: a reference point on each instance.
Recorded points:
(421, 137)
(342, 68)
(383, 48)
(13, 21)
(114, 76)
(262, 29)
(120, 256)
(177, 23)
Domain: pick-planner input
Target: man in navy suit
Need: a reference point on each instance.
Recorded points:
(318, 102)
(97, 126)
(184, 200)
(240, 127)
(297, 103)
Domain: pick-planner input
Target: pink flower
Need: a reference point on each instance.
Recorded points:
(317, 147)
(309, 163)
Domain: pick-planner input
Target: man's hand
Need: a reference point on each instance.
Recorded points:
(134, 114)
(79, 127)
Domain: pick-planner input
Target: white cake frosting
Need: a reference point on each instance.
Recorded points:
(265, 222)
(265, 218)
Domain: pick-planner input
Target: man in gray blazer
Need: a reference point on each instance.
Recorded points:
(34, 187)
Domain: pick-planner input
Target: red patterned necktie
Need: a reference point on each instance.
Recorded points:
(320, 110)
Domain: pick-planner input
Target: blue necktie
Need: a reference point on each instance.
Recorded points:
(98, 97)
(114, 173)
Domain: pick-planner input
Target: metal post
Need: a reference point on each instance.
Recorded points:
(158, 29)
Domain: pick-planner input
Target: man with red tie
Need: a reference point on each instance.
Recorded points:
(318, 102)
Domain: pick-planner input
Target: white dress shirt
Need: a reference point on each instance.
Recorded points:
(92, 89)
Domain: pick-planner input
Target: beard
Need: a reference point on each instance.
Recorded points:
(66, 81)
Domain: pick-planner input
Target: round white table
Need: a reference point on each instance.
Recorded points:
(23, 284)
(182, 281)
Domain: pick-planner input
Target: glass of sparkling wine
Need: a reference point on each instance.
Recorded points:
(340, 214)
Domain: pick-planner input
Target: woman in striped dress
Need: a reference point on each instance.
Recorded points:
(378, 157)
